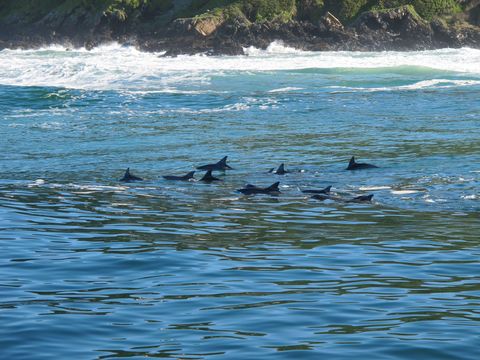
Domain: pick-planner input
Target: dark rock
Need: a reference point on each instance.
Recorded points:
(393, 29)
(329, 23)
(443, 35)
(400, 28)
(473, 12)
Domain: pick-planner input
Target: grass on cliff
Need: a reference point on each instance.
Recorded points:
(427, 9)
(145, 12)
(349, 10)
(252, 10)
(285, 10)
(30, 11)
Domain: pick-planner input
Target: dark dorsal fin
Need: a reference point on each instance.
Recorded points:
(190, 175)
(208, 176)
(224, 160)
(281, 168)
(127, 177)
(274, 187)
(352, 161)
(368, 197)
(327, 189)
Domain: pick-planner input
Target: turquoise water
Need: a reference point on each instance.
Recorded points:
(96, 269)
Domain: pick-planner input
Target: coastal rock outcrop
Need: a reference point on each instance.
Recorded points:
(228, 26)
(398, 28)
(329, 23)
(203, 26)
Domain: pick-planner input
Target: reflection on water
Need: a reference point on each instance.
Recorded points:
(133, 271)
(92, 268)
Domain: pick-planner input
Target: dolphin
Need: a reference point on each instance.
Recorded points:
(129, 177)
(323, 191)
(219, 166)
(352, 165)
(208, 177)
(360, 199)
(187, 177)
(280, 171)
(323, 197)
(252, 189)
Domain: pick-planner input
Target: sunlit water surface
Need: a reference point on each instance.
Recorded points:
(93, 268)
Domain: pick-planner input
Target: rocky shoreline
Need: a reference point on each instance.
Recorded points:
(400, 29)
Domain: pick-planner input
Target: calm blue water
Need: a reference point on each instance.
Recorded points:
(95, 269)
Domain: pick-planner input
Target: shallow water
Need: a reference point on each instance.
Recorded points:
(93, 268)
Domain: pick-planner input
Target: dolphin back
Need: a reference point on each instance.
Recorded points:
(273, 187)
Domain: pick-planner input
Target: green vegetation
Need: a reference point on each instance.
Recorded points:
(147, 13)
(428, 9)
(253, 10)
(285, 10)
(122, 10)
(29, 11)
(261, 10)
(431, 8)
(310, 10)
(410, 8)
(346, 10)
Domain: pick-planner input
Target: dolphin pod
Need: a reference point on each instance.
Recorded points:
(249, 189)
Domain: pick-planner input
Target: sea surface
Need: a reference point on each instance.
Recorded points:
(91, 268)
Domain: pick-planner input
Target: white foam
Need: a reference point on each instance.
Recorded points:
(227, 108)
(37, 182)
(285, 89)
(78, 187)
(372, 188)
(433, 83)
(275, 48)
(49, 125)
(125, 68)
(404, 192)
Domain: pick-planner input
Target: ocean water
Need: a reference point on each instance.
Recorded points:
(96, 269)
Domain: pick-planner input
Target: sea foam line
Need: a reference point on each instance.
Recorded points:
(425, 84)
(126, 68)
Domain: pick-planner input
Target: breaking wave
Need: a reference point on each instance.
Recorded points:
(116, 67)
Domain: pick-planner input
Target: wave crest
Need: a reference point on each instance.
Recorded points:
(125, 68)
